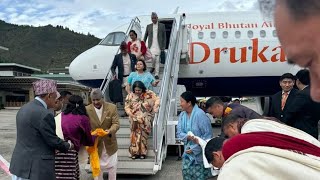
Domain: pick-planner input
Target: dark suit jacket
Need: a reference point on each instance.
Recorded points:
(303, 113)
(162, 39)
(243, 111)
(34, 154)
(275, 107)
(110, 121)
(118, 62)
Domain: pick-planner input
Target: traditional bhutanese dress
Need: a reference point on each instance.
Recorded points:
(142, 107)
(199, 124)
(75, 128)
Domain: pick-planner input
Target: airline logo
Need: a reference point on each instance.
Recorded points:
(252, 53)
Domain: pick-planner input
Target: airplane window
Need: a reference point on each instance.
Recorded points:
(113, 39)
(237, 34)
(225, 34)
(274, 33)
(250, 34)
(263, 33)
(213, 35)
(118, 38)
(200, 35)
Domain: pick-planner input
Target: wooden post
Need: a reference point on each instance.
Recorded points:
(31, 94)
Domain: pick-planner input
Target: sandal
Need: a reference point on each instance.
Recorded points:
(134, 157)
(142, 156)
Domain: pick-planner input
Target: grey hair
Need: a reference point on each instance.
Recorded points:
(96, 94)
(299, 9)
(154, 14)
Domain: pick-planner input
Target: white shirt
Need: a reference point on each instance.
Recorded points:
(99, 112)
(155, 48)
(126, 65)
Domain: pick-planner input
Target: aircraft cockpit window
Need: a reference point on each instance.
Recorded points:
(113, 39)
(263, 33)
(225, 34)
(274, 33)
(200, 35)
(250, 34)
(237, 34)
(213, 35)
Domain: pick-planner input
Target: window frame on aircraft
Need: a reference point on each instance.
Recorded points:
(200, 35)
(225, 34)
(237, 34)
(213, 35)
(114, 40)
(263, 34)
(274, 33)
(250, 33)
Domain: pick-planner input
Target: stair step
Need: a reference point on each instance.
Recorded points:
(137, 164)
(148, 171)
(125, 153)
(128, 159)
(125, 142)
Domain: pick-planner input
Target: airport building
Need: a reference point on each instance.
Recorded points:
(16, 84)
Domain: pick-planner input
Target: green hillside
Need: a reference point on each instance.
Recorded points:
(45, 47)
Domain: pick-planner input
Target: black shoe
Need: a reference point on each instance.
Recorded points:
(156, 77)
(152, 70)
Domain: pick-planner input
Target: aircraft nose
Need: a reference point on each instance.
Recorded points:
(75, 69)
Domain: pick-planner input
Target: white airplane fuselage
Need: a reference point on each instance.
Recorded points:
(231, 53)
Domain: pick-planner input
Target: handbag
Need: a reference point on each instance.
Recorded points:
(163, 57)
(148, 55)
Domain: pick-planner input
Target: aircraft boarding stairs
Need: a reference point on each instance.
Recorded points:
(166, 89)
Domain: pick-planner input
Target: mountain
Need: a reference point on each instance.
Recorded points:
(45, 47)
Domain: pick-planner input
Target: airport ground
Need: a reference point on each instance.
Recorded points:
(171, 168)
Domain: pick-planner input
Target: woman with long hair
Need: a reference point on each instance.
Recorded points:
(72, 124)
(141, 105)
(142, 75)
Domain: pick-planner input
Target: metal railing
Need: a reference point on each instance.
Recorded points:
(166, 90)
(108, 78)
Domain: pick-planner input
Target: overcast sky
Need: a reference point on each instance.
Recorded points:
(100, 16)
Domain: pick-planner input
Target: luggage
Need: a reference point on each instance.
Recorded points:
(115, 91)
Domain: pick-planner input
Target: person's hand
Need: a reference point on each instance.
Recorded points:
(107, 131)
(196, 140)
(190, 138)
(156, 109)
(71, 145)
(156, 82)
(189, 151)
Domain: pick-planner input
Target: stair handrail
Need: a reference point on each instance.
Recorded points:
(159, 122)
(105, 83)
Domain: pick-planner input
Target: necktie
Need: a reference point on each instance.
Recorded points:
(284, 99)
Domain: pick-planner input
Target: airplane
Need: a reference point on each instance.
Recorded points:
(230, 54)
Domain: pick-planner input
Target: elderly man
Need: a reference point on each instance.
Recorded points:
(156, 34)
(298, 28)
(104, 115)
(34, 154)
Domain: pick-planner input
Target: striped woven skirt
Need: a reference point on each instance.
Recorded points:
(67, 165)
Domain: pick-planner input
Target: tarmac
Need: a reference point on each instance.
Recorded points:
(171, 168)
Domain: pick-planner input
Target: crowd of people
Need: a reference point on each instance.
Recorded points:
(52, 128)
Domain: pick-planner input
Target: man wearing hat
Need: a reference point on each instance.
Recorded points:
(33, 156)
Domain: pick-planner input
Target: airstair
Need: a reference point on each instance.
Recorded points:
(168, 91)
